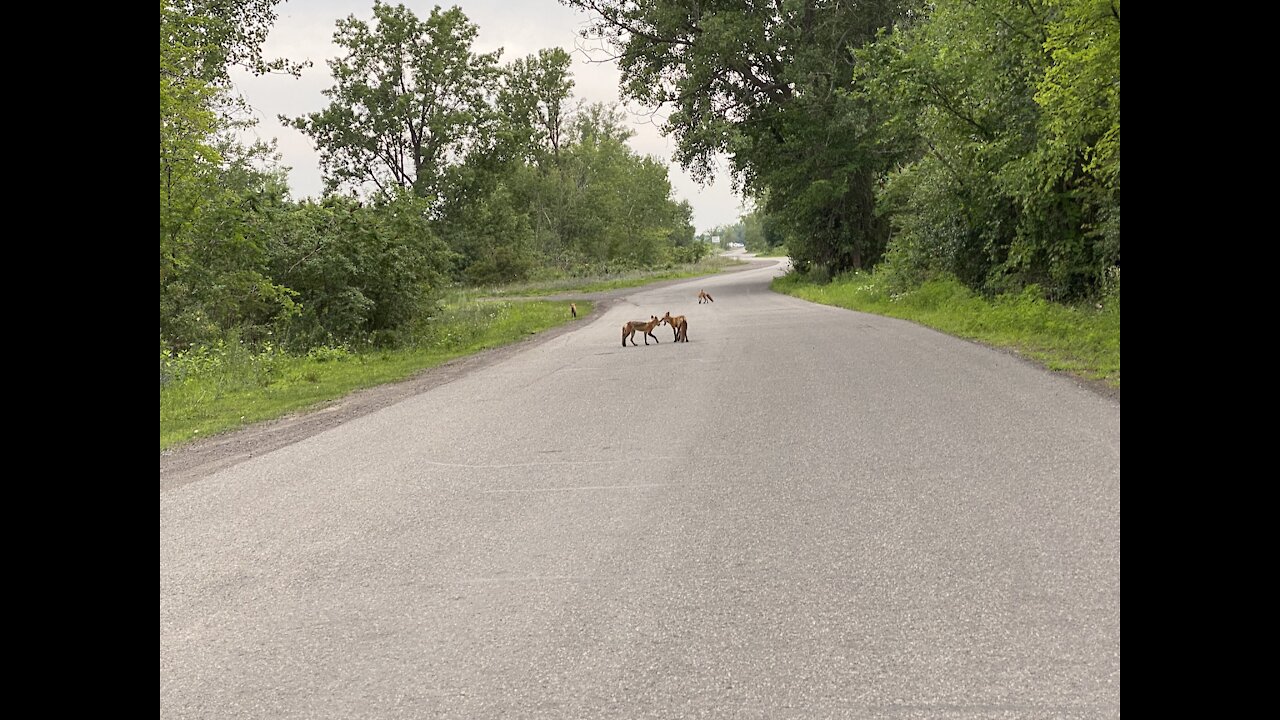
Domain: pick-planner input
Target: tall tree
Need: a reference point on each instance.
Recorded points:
(212, 262)
(535, 98)
(1014, 112)
(219, 34)
(1079, 98)
(409, 99)
(765, 83)
(482, 217)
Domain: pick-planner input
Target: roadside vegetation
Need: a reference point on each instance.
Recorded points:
(955, 162)
(503, 179)
(963, 142)
(219, 387)
(1082, 338)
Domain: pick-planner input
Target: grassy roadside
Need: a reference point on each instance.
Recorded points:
(1083, 341)
(218, 389)
(214, 390)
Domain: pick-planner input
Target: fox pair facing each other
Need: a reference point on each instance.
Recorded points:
(678, 324)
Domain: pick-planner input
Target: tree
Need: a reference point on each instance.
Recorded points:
(761, 232)
(410, 98)
(215, 278)
(212, 262)
(486, 215)
(1013, 110)
(218, 34)
(534, 100)
(360, 272)
(1079, 98)
(765, 83)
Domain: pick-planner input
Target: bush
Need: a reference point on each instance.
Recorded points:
(228, 361)
(818, 274)
(361, 274)
(691, 253)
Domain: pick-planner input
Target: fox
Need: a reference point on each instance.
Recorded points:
(573, 309)
(678, 325)
(703, 297)
(646, 327)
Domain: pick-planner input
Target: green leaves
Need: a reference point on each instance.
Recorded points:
(1010, 180)
(768, 85)
(410, 97)
(361, 273)
(213, 195)
(470, 172)
(984, 134)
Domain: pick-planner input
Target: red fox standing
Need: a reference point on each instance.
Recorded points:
(703, 297)
(629, 330)
(678, 325)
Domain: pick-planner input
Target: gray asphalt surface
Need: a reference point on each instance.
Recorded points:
(803, 512)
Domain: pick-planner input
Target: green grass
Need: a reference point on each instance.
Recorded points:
(218, 389)
(599, 283)
(1081, 340)
(214, 390)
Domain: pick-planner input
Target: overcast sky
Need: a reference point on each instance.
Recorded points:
(304, 31)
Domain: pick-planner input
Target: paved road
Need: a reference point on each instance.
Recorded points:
(803, 512)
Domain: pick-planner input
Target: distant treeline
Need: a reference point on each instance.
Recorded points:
(442, 167)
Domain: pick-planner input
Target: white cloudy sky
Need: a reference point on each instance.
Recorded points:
(304, 31)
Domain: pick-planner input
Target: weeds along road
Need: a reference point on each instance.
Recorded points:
(803, 512)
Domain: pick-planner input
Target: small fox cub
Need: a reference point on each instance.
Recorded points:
(703, 297)
(629, 330)
(678, 325)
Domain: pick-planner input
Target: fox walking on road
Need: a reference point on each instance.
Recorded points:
(703, 297)
(629, 330)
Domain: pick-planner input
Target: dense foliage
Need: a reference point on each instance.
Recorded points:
(978, 139)
(974, 139)
(443, 166)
